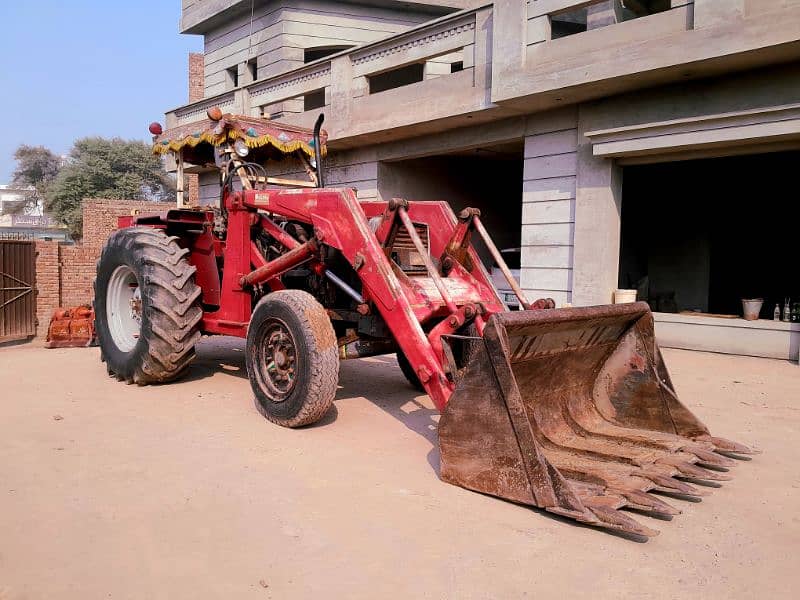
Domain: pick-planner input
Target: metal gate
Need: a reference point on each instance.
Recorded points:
(17, 298)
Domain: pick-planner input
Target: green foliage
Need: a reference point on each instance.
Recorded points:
(106, 168)
(37, 167)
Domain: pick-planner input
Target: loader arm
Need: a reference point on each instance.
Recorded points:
(340, 221)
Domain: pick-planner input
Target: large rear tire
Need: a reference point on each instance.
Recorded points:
(292, 358)
(147, 306)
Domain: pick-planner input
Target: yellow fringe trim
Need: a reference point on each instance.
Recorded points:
(232, 135)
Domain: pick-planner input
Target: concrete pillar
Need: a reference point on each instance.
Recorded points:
(509, 24)
(341, 93)
(482, 50)
(603, 14)
(598, 200)
(548, 205)
(712, 13)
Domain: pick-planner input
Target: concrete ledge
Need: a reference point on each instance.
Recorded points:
(762, 125)
(769, 339)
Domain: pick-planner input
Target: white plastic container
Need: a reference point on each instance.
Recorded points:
(751, 307)
(624, 296)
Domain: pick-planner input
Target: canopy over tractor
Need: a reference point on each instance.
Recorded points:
(570, 409)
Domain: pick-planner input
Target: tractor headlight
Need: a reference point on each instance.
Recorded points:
(241, 148)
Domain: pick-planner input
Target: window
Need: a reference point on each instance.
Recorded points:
(314, 100)
(232, 77)
(457, 66)
(396, 78)
(603, 13)
(252, 69)
(312, 54)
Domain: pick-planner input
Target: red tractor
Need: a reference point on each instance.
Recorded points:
(571, 409)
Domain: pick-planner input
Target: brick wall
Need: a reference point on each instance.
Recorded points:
(196, 87)
(64, 273)
(196, 76)
(48, 283)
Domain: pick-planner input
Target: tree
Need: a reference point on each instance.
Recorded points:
(107, 168)
(37, 167)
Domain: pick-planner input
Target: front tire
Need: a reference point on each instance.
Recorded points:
(408, 372)
(147, 306)
(292, 358)
(463, 352)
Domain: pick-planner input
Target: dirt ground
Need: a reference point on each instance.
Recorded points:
(184, 491)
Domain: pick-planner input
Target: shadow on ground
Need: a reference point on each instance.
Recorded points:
(378, 379)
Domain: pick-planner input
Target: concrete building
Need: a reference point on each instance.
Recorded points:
(645, 144)
(18, 220)
(13, 199)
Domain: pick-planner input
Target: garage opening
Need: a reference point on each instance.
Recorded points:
(699, 236)
(488, 178)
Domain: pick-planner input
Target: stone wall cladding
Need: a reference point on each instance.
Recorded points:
(65, 273)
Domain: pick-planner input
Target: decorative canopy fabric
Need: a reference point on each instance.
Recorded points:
(255, 132)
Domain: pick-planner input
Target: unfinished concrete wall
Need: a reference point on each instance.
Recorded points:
(480, 180)
(739, 113)
(548, 204)
(208, 188)
(282, 31)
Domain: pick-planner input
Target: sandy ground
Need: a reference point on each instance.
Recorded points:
(184, 491)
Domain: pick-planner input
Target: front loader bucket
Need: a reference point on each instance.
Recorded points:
(572, 410)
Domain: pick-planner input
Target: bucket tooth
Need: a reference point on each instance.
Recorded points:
(584, 516)
(723, 445)
(668, 484)
(614, 519)
(689, 470)
(710, 458)
(647, 502)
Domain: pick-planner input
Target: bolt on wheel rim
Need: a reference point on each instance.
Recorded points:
(124, 308)
(279, 360)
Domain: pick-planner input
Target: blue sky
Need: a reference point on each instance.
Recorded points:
(74, 68)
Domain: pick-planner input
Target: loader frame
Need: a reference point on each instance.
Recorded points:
(453, 293)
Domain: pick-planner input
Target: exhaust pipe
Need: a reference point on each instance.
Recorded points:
(318, 151)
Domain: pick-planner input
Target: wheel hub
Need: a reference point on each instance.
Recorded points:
(124, 308)
(280, 358)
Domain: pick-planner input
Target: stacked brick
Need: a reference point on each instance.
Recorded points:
(196, 87)
(196, 76)
(64, 274)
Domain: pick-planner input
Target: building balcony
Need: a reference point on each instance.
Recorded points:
(617, 49)
(512, 57)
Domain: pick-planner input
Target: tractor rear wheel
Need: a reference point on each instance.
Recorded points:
(292, 358)
(147, 306)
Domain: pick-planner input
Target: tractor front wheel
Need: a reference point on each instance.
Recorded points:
(147, 306)
(292, 358)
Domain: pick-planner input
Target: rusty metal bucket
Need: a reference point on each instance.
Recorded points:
(572, 410)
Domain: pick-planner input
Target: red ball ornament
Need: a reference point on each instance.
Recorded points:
(155, 128)
(214, 113)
